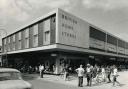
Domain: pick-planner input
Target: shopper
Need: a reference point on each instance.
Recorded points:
(115, 75)
(80, 72)
(66, 73)
(103, 73)
(108, 72)
(41, 69)
(89, 74)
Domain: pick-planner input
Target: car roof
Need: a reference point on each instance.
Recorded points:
(8, 70)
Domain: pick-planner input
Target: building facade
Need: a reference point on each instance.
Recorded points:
(59, 39)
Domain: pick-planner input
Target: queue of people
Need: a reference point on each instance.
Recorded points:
(99, 74)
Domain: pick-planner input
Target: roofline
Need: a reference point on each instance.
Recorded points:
(54, 12)
(33, 22)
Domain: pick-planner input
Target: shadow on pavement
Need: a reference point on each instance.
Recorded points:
(30, 76)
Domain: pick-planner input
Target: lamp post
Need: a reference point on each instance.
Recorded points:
(3, 45)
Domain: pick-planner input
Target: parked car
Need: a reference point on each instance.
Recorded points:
(11, 79)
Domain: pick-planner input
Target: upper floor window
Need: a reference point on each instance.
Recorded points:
(26, 32)
(5, 41)
(19, 36)
(26, 42)
(19, 40)
(97, 34)
(35, 29)
(47, 25)
(35, 35)
(47, 36)
(9, 41)
(13, 38)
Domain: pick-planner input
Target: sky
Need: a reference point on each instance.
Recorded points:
(109, 15)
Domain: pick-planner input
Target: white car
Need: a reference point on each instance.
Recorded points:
(11, 79)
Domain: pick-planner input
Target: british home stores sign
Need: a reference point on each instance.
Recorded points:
(72, 30)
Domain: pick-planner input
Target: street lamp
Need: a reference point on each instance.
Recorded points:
(6, 46)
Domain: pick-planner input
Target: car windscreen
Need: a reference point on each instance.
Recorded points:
(9, 76)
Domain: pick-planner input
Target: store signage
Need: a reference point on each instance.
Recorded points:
(72, 30)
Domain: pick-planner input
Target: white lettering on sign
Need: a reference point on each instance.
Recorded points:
(72, 30)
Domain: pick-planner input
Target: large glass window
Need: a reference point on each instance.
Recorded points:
(97, 34)
(126, 45)
(121, 43)
(111, 40)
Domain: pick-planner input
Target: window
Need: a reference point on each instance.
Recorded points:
(111, 39)
(47, 36)
(13, 38)
(26, 43)
(121, 43)
(19, 40)
(19, 36)
(5, 41)
(35, 41)
(35, 29)
(97, 34)
(126, 45)
(47, 25)
(9, 42)
(35, 36)
(26, 33)
(19, 44)
(47, 32)
(13, 42)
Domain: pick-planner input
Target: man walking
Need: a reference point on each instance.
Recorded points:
(80, 72)
(89, 71)
(108, 71)
(115, 75)
(41, 69)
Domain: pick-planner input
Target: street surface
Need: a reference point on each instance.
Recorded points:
(56, 82)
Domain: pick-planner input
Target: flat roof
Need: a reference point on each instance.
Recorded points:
(52, 13)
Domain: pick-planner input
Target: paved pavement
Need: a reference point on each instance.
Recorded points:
(123, 79)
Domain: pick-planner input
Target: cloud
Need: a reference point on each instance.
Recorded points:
(15, 9)
(49, 3)
(106, 4)
(9, 10)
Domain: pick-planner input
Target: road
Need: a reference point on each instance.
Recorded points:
(52, 83)
(39, 84)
